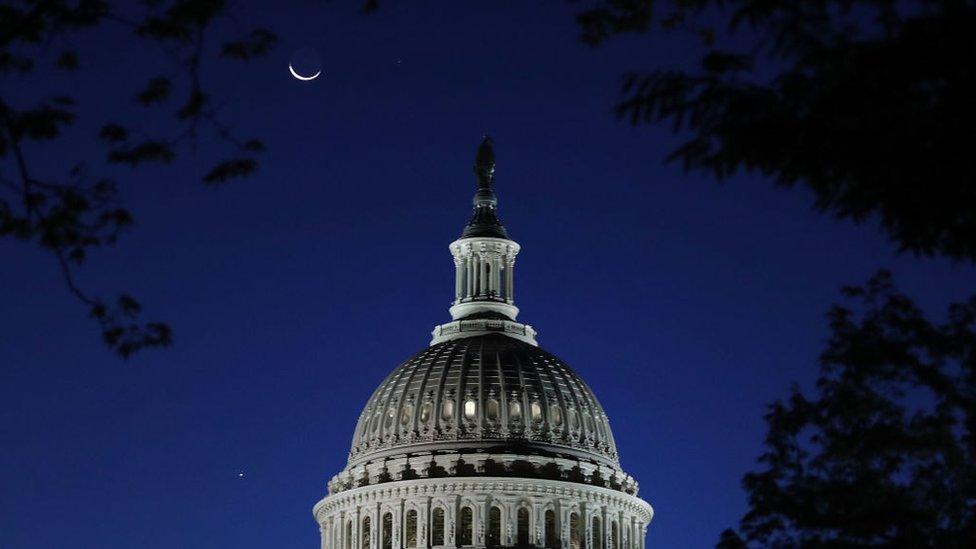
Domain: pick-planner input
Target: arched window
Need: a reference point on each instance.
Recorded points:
(425, 410)
(597, 542)
(387, 535)
(410, 529)
(447, 410)
(523, 526)
(348, 534)
(515, 411)
(536, 412)
(575, 532)
(390, 415)
(494, 527)
(552, 534)
(470, 409)
(466, 527)
(366, 534)
(436, 527)
(614, 536)
(492, 410)
(405, 414)
(556, 415)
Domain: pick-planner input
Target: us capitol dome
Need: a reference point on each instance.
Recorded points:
(483, 439)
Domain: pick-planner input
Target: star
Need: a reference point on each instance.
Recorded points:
(240, 475)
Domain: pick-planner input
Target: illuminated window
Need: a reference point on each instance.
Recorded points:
(405, 414)
(536, 412)
(425, 409)
(447, 410)
(515, 411)
(470, 410)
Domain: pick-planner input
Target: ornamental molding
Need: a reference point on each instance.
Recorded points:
(473, 465)
(469, 328)
(388, 496)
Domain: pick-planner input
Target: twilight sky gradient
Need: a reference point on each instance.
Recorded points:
(686, 305)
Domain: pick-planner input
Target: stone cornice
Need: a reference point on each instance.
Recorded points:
(476, 327)
(474, 486)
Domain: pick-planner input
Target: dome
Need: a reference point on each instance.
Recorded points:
(485, 393)
(482, 439)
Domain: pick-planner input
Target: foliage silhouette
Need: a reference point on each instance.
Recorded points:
(867, 103)
(73, 216)
(883, 453)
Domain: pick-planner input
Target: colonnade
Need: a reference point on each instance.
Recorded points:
(482, 521)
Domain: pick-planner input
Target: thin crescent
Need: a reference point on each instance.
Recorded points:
(300, 77)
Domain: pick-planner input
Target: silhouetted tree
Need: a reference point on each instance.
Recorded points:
(883, 452)
(80, 212)
(868, 103)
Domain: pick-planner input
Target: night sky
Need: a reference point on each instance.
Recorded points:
(686, 305)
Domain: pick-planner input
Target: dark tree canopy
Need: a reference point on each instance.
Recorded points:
(81, 211)
(883, 452)
(868, 103)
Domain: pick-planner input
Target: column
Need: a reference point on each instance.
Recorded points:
(423, 522)
(357, 527)
(510, 283)
(398, 526)
(458, 278)
(586, 514)
(375, 527)
(469, 266)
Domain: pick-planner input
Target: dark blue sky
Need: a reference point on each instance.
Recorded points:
(686, 305)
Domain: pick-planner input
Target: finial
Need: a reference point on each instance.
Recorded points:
(484, 221)
(484, 164)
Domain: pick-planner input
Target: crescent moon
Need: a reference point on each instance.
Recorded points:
(300, 77)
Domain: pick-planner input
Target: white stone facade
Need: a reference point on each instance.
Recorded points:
(482, 512)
